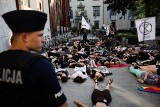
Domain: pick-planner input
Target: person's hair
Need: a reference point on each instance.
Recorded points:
(15, 35)
(78, 79)
(79, 65)
(100, 78)
(64, 78)
(74, 52)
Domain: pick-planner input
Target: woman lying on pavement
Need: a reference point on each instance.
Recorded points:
(151, 68)
(79, 75)
(153, 58)
(130, 58)
(75, 60)
(145, 77)
(62, 74)
(106, 62)
(77, 45)
(99, 98)
(95, 74)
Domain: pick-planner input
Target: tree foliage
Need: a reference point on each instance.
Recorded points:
(147, 8)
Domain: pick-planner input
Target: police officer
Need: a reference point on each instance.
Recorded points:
(28, 79)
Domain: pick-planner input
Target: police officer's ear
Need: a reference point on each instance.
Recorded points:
(23, 37)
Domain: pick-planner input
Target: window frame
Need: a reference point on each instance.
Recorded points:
(96, 10)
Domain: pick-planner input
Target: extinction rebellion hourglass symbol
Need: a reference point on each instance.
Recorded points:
(145, 28)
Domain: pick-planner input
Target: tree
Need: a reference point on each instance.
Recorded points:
(148, 7)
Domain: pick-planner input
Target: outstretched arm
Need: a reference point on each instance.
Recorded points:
(79, 104)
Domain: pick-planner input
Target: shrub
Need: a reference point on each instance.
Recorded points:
(75, 29)
(132, 38)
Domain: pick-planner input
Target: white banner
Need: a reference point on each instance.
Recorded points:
(85, 24)
(146, 28)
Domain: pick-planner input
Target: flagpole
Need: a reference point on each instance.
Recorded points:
(80, 34)
(144, 32)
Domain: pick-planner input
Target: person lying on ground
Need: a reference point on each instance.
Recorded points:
(79, 75)
(155, 69)
(62, 74)
(96, 74)
(75, 60)
(99, 98)
(105, 62)
(145, 77)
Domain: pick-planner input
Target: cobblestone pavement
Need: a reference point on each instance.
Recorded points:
(123, 90)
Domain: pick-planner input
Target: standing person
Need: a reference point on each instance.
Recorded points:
(28, 79)
(112, 34)
(85, 36)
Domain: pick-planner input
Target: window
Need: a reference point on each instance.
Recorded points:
(113, 13)
(96, 10)
(26, 3)
(40, 5)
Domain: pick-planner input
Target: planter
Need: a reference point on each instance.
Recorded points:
(75, 34)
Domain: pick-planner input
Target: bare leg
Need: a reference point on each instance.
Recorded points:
(106, 63)
(91, 64)
(79, 104)
(94, 64)
(96, 84)
(150, 68)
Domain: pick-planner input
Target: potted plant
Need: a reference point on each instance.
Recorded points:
(75, 30)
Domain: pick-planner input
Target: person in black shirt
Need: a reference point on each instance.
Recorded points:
(99, 98)
(85, 36)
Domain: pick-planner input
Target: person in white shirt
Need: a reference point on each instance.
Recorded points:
(79, 75)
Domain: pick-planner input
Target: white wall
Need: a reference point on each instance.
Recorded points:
(5, 32)
(47, 32)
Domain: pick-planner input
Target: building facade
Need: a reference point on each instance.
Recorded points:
(96, 13)
(59, 20)
(92, 10)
